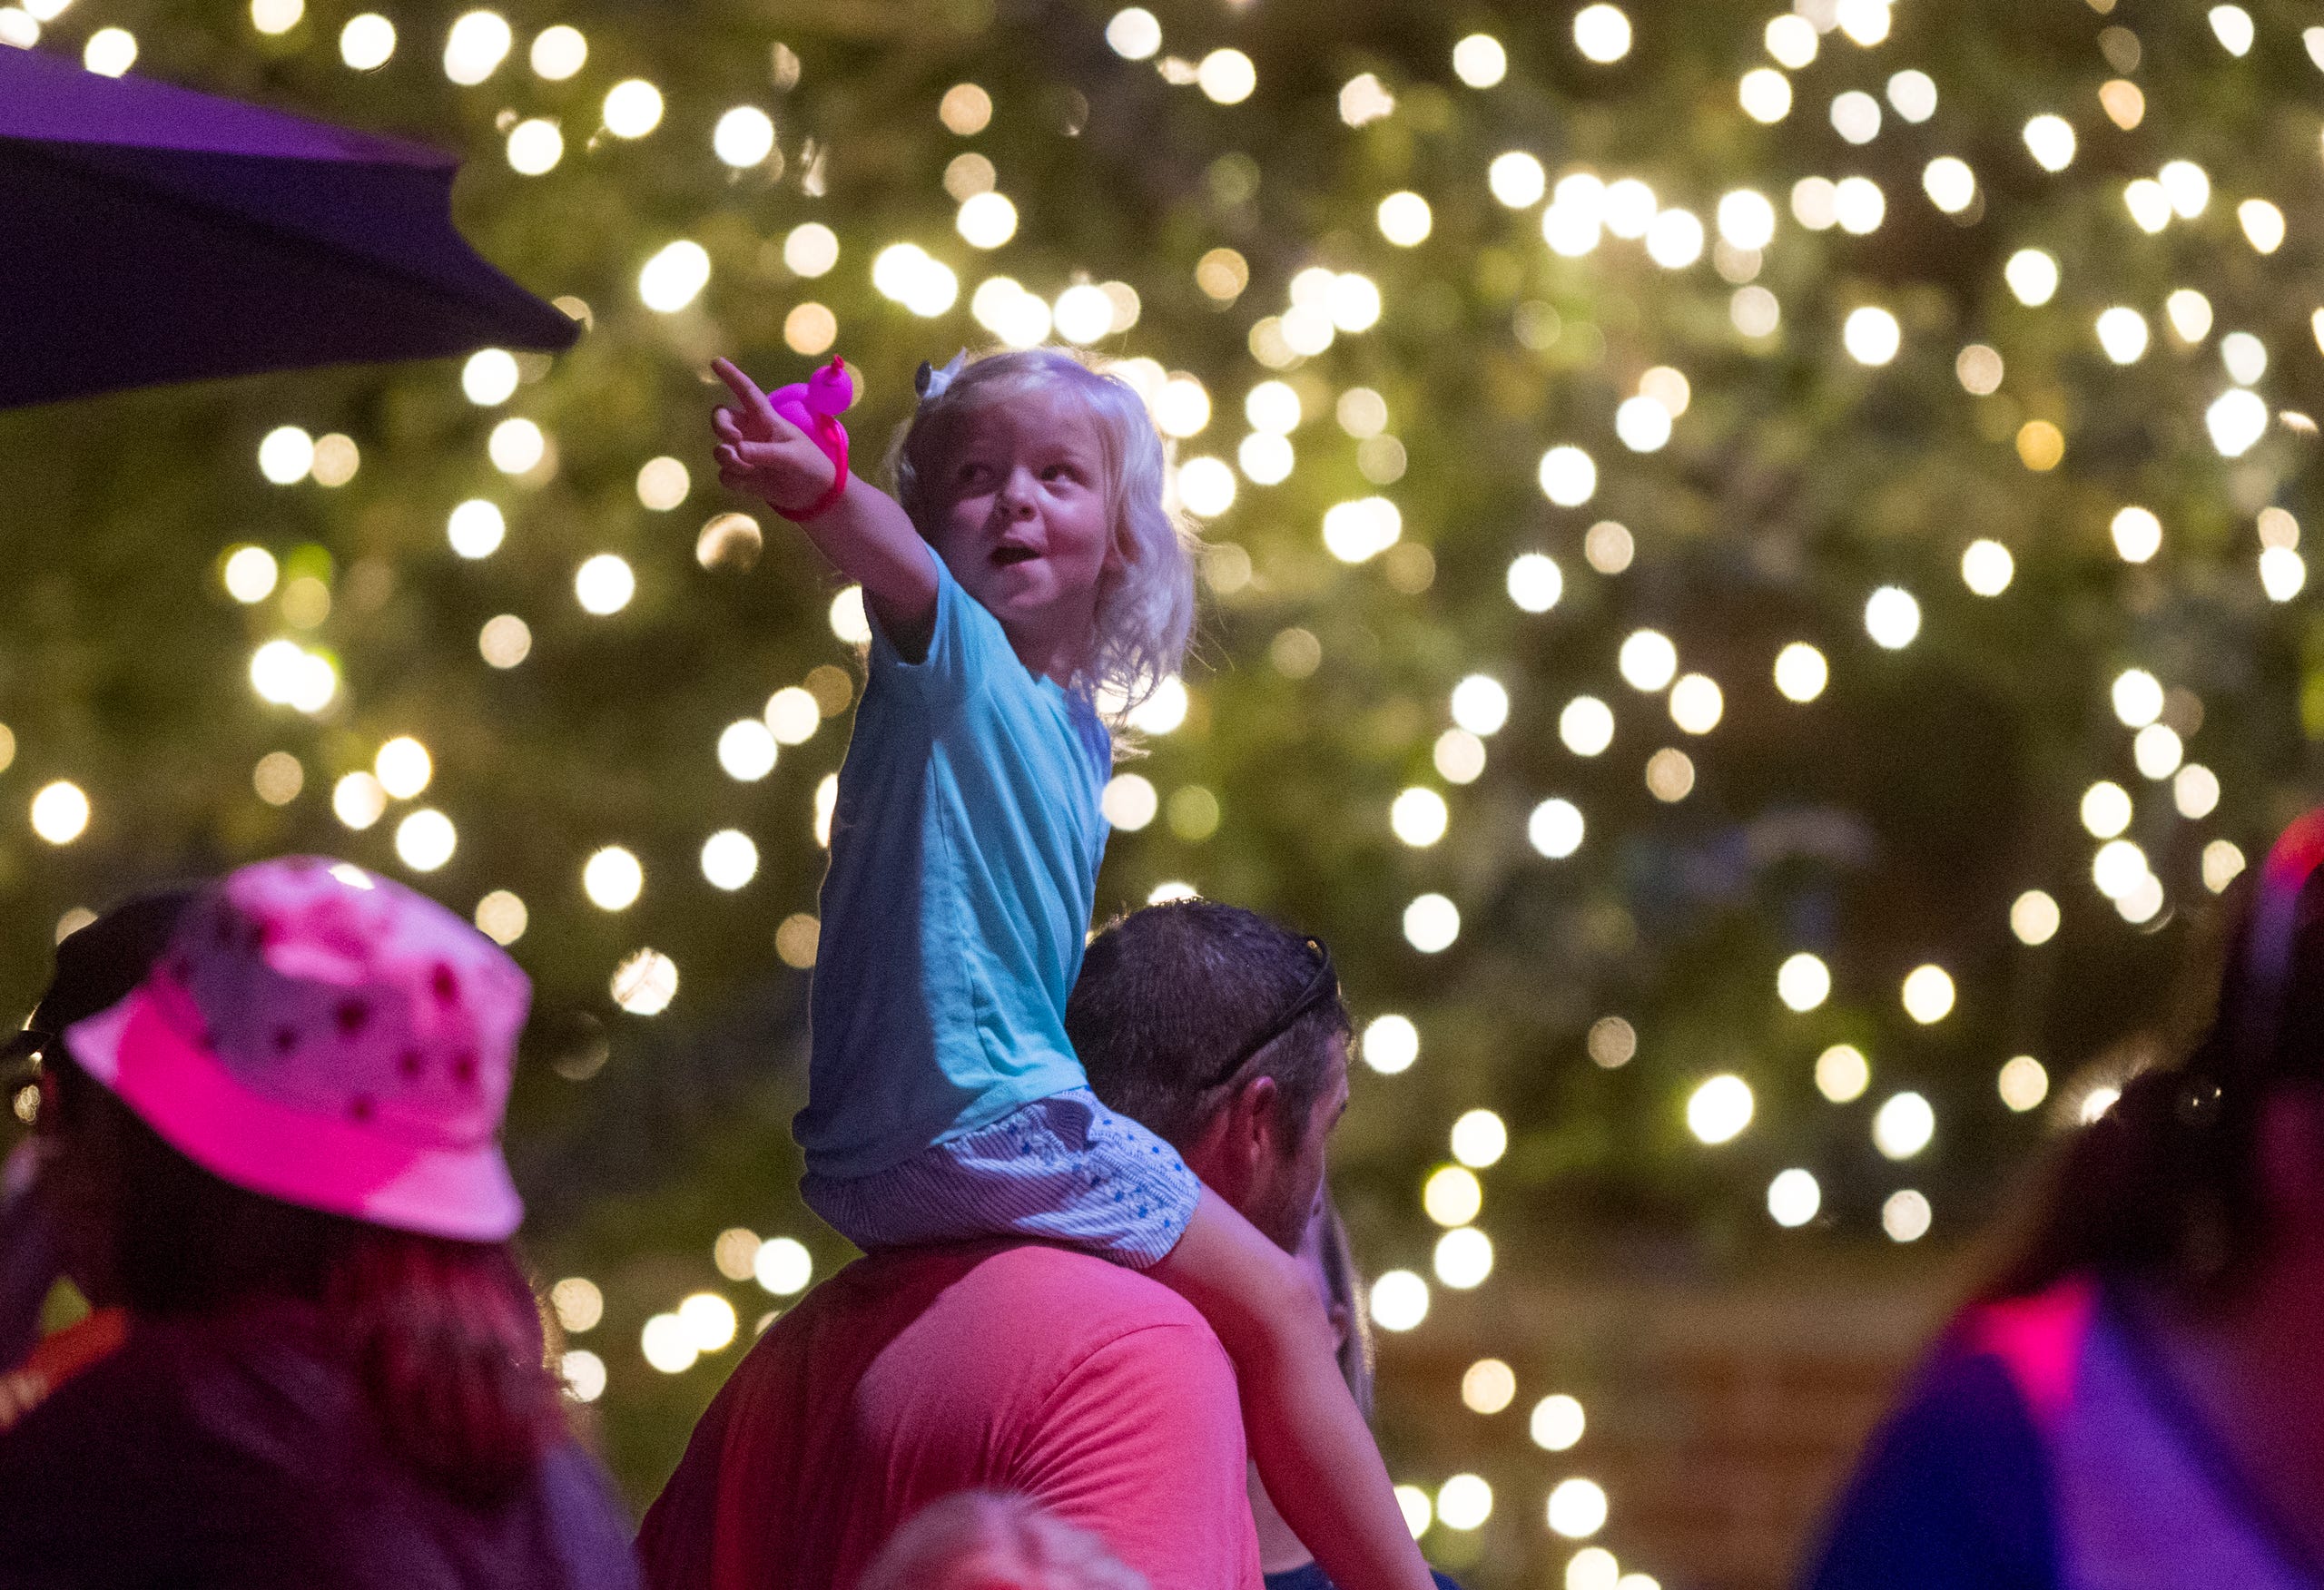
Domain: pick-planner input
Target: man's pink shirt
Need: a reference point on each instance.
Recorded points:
(1095, 1390)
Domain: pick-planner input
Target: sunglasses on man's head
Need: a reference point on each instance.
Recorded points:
(1323, 986)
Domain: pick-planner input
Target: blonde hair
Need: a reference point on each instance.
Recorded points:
(1145, 598)
(989, 1540)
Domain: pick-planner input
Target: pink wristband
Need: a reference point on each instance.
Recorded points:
(838, 489)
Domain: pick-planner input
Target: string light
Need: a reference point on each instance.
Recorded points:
(1134, 34)
(249, 573)
(1928, 994)
(744, 137)
(1534, 583)
(1791, 40)
(2022, 1082)
(645, 983)
(1905, 1216)
(1479, 61)
(1601, 33)
(1431, 922)
(1902, 1126)
(1842, 1074)
(794, 717)
(1892, 617)
(2050, 138)
(1719, 1109)
(366, 41)
(1577, 1508)
(1227, 77)
(1872, 335)
(1390, 1044)
(2033, 918)
(1949, 183)
(1557, 1423)
(1399, 1300)
(475, 47)
(1488, 1386)
(1801, 672)
(2031, 276)
(1328, 304)
(277, 16)
(632, 108)
(559, 52)
(1418, 816)
(1555, 828)
(60, 812)
(613, 879)
(110, 52)
(1803, 982)
(1793, 1198)
(1987, 567)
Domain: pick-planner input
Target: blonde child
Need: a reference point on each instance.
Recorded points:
(1025, 562)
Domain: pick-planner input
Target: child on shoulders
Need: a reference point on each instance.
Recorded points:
(1026, 563)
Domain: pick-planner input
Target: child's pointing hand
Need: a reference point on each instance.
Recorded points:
(763, 454)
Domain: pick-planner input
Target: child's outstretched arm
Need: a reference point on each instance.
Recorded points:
(1315, 1454)
(865, 533)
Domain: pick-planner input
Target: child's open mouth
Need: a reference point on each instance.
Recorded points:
(1005, 556)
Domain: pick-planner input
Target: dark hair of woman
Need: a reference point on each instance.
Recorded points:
(445, 1336)
(2165, 1187)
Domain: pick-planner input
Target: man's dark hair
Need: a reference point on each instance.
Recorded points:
(1170, 995)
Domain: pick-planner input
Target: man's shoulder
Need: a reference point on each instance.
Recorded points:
(914, 1373)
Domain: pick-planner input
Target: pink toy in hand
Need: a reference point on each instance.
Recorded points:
(814, 406)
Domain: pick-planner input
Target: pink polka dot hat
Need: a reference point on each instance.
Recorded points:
(324, 1035)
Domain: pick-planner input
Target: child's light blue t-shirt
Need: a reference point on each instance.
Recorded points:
(965, 845)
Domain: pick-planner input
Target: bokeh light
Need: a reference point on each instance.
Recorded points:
(2024, 1083)
(60, 812)
(1399, 1300)
(1577, 1508)
(1793, 1198)
(1390, 1044)
(1904, 1125)
(1803, 982)
(1488, 1387)
(613, 879)
(1928, 994)
(1842, 1074)
(425, 839)
(1557, 1423)
(1719, 1109)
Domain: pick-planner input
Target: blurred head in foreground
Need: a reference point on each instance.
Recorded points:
(2206, 1172)
(985, 1540)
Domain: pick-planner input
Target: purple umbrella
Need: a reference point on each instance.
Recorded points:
(151, 234)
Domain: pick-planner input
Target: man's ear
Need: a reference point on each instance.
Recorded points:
(1257, 1119)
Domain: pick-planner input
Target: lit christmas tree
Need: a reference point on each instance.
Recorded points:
(1752, 594)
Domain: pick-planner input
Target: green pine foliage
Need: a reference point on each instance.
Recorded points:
(1889, 822)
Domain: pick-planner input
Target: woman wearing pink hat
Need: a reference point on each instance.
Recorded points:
(268, 1153)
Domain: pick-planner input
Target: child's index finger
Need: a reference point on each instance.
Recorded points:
(743, 387)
